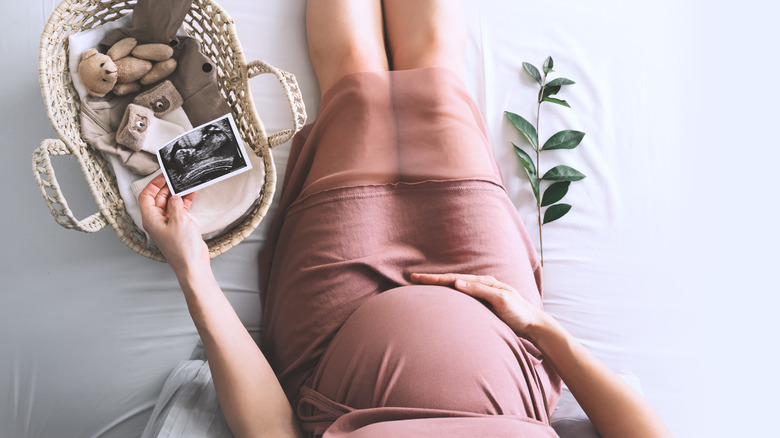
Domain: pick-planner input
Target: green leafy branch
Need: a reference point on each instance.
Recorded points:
(560, 176)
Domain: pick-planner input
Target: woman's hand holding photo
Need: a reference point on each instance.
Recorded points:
(168, 223)
(614, 408)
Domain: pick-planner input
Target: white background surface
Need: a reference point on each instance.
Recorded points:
(665, 267)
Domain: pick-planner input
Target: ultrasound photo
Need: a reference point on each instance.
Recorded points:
(203, 156)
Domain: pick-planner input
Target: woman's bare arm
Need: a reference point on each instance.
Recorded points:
(249, 393)
(613, 406)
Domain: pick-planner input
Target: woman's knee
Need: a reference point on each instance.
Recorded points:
(349, 57)
(427, 50)
(336, 62)
(426, 34)
(345, 36)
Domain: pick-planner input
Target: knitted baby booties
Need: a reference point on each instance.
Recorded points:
(161, 99)
(141, 128)
(133, 128)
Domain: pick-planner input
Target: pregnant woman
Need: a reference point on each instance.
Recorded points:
(401, 295)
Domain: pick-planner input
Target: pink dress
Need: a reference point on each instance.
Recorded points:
(396, 176)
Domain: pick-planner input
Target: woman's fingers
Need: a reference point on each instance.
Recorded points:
(188, 199)
(152, 200)
(155, 198)
(483, 287)
(501, 298)
(154, 186)
(161, 200)
(489, 280)
(440, 279)
(450, 278)
(176, 210)
(477, 290)
(148, 195)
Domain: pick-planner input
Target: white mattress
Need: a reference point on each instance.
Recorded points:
(665, 258)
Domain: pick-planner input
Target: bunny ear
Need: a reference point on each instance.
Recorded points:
(88, 53)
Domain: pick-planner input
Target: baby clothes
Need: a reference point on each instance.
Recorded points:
(100, 121)
(194, 82)
(195, 76)
(197, 100)
(162, 99)
(117, 125)
(141, 131)
(143, 127)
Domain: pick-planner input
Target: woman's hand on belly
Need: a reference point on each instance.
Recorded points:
(613, 406)
(520, 315)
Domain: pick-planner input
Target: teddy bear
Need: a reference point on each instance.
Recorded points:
(125, 67)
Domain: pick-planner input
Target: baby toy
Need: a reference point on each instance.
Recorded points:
(143, 128)
(125, 67)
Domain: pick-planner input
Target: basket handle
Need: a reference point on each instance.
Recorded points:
(50, 188)
(294, 98)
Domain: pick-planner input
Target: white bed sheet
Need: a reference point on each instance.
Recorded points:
(646, 270)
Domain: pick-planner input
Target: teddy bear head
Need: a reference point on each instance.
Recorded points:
(98, 72)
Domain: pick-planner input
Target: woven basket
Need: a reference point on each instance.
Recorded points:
(209, 24)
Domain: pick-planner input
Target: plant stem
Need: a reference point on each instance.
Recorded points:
(539, 181)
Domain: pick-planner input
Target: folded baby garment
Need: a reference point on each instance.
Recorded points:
(100, 121)
(118, 125)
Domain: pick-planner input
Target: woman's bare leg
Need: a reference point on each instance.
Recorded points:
(411, 127)
(426, 33)
(432, 33)
(345, 36)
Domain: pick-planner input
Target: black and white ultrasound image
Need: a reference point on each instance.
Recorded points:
(202, 155)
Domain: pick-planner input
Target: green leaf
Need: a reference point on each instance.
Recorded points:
(567, 139)
(560, 81)
(548, 65)
(555, 193)
(534, 183)
(525, 128)
(533, 72)
(563, 173)
(528, 162)
(558, 101)
(555, 212)
(548, 91)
